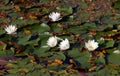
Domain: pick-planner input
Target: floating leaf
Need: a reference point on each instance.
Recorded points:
(83, 5)
(7, 7)
(90, 26)
(59, 56)
(13, 14)
(7, 1)
(75, 52)
(83, 60)
(117, 4)
(43, 1)
(114, 58)
(67, 9)
(41, 51)
(40, 28)
(32, 21)
(100, 60)
(6, 52)
(2, 31)
(24, 39)
(110, 43)
(19, 22)
(55, 27)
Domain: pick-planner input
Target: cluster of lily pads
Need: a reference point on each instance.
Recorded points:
(79, 39)
(52, 41)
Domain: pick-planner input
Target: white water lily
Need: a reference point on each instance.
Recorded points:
(64, 45)
(55, 16)
(11, 29)
(116, 51)
(52, 41)
(91, 45)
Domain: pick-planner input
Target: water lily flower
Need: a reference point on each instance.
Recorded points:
(116, 51)
(52, 41)
(91, 45)
(64, 45)
(55, 16)
(11, 29)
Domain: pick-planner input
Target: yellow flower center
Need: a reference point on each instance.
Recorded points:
(91, 47)
(10, 29)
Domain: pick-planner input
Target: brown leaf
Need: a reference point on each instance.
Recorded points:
(92, 68)
(70, 66)
(17, 8)
(58, 61)
(3, 62)
(1, 43)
